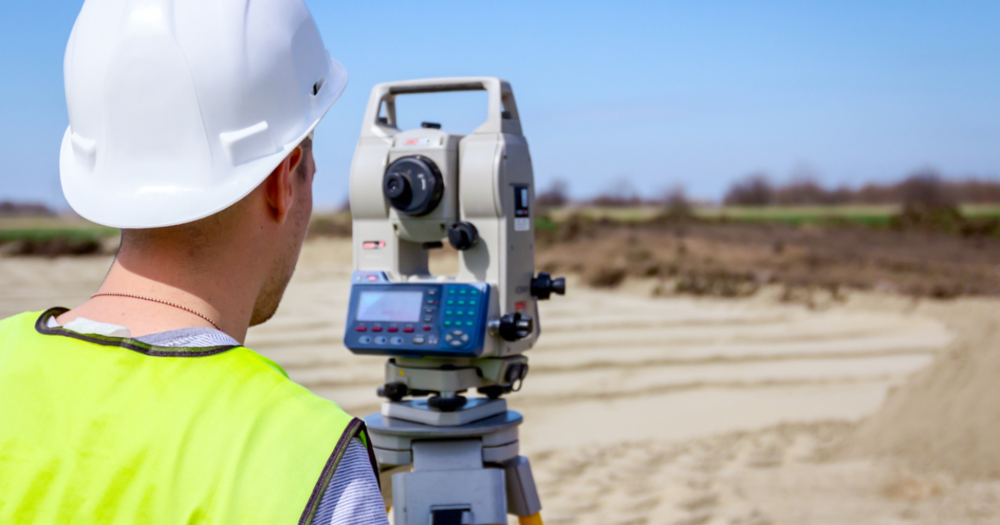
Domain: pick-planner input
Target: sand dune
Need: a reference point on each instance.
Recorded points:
(650, 410)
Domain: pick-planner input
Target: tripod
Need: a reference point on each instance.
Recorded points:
(466, 473)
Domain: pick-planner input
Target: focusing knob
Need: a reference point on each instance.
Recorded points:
(413, 185)
(462, 236)
(514, 327)
(543, 286)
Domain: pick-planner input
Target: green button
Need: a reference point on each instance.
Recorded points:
(450, 302)
(463, 292)
(473, 303)
(470, 312)
(461, 302)
(447, 312)
(474, 292)
(451, 291)
(469, 323)
(447, 323)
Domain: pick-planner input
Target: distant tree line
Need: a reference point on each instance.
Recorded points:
(925, 187)
(24, 209)
(757, 189)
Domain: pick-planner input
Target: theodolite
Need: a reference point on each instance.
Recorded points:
(412, 191)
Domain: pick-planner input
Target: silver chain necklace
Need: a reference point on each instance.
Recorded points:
(150, 299)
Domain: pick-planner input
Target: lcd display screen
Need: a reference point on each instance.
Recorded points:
(400, 307)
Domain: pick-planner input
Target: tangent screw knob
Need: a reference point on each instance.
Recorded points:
(515, 326)
(462, 235)
(543, 286)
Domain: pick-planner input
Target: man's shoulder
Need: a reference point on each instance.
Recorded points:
(289, 395)
(21, 321)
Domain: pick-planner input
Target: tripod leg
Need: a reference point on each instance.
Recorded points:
(522, 497)
(534, 519)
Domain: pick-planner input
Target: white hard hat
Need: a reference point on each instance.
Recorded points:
(180, 108)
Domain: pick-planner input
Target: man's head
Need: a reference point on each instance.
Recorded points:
(261, 236)
(178, 108)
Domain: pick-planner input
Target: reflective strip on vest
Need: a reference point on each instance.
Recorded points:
(108, 430)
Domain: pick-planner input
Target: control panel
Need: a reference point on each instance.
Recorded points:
(446, 319)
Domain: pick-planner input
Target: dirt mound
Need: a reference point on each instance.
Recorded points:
(728, 259)
(943, 218)
(947, 417)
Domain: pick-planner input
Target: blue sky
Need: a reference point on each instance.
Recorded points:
(642, 95)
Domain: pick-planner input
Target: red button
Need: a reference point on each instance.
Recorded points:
(361, 329)
(376, 329)
(408, 329)
(427, 329)
(393, 329)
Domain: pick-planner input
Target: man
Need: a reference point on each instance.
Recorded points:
(190, 129)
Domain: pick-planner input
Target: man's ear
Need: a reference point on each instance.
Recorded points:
(279, 189)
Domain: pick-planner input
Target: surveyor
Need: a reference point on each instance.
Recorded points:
(190, 128)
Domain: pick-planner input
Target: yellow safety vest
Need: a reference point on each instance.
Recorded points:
(100, 429)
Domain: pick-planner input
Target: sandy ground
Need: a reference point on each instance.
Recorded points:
(652, 410)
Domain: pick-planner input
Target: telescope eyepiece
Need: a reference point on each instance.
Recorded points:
(413, 185)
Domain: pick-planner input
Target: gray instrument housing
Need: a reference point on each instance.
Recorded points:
(484, 174)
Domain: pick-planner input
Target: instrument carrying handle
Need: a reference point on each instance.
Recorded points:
(501, 116)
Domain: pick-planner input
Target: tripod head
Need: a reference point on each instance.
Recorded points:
(413, 190)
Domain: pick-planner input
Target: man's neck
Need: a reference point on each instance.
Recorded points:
(216, 290)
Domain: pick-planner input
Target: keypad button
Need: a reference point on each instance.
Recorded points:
(432, 340)
(432, 292)
(450, 302)
(418, 340)
(470, 323)
(463, 292)
(447, 323)
(428, 319)
(376, 329)
(361, 328)
(461, 302)
(451, 291)
(393, 329)
(474, 292)
(427, 329)
(429, 310)
(365, 339)
(465, 338)
(449, 338)
(396, 340)
(457, 333)
(408, 329)
(381, 340)
(448, 312)
(472, 302)
(456, 342)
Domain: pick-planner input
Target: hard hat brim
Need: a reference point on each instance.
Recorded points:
(118, 206)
